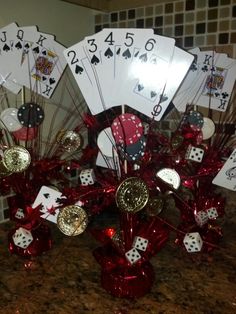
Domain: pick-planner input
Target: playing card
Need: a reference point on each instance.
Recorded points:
(226, 177)
(110, 53)
(179, 67)
(40, 59)
(148, 74)
(49, 199)
(218, 84)
(7, 60)
(80, 66)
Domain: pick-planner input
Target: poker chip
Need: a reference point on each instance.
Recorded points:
(25, 134)
(195, 119)
(208, 128)
(10, 120)
(30, 115)
(169, 176)
(133, 152)
(106, 142)
(127, 128)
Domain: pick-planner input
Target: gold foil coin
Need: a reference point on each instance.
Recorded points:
(155, 206)
(70, 141)
(132, 195)
(72, 220)
(16, 159)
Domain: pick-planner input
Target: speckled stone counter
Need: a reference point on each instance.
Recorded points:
(66, 280)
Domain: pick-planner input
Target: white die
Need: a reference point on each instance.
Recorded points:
(201, 218)
(194, 153)
(140, 243)
(193, 242)
(212, 213)
(20, 213)
(87, 177)
(132, 256)
(22, 238)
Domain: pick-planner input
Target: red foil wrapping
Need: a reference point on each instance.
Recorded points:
(41, 243)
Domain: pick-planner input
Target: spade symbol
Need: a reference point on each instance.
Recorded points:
(18, 45)
(153, 94)
(108, 53)
(78, 69)
(143, 57)
(52, 81)
(6, 48)
(44, 78)
(140, 87)
(163, 98)
(126, 54)
(95, 60)
(44, 52)
(46, 195)
(36, 50)
(27, 46)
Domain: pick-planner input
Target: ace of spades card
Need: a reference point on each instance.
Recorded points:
(226, 177)
(49, 199)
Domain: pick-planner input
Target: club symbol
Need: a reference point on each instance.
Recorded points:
(224, 95)
(205, 68)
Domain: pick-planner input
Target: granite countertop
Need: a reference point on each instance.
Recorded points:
(66, 279)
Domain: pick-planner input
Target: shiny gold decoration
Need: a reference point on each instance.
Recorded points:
(155, 205)
(16, 159)
(72, 220)
(132, 195)
(70, 141)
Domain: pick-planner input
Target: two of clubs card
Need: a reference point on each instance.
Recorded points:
(209, 82)
(50, 200)
(132, 67)
(30, 58)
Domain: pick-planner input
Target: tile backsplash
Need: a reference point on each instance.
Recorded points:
(201, 23)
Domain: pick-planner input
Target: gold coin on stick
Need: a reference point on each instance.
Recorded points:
(132, 195)
(16, 159)
(72, 220)
(70, 141)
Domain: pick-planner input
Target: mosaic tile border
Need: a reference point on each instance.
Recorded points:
(192, 23)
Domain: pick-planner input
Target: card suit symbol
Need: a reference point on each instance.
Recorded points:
(126, 54)
(163, 98)
(95, 60)
(52, 80)
(18, 45)
(46, 195)
(217, 94)
(143, 57)
(6, 48)
(140, 87)
(44, 52)
(78, 69)
(224, 95)
(36, 50)
(44, 78)
(136, 54)
(153, 94)
(194, 66)
(27, 46)
(108, 53)
(205, 68)
(118, 51)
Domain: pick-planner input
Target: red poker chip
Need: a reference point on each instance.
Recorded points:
(127, 129)
(25, 134)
